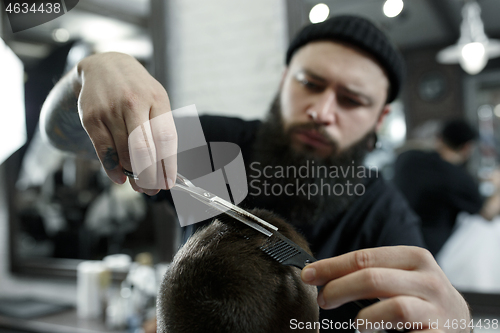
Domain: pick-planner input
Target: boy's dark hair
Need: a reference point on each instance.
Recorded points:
(456, 133)
(220, 281)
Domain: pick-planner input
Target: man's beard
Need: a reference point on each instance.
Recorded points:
(273, 149)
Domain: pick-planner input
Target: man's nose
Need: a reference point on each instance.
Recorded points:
(323, 111)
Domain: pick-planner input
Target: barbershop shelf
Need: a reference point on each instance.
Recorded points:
(65, 322)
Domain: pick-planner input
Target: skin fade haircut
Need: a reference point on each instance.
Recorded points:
(220, 281)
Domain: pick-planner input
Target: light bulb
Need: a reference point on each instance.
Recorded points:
(397, 129)
(392, 8)
(60, 35)
(485, 112)
(319, 13)
(473, 57)
(496, 110)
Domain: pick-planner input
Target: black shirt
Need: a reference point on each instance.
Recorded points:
(437, 191)
(380, 217)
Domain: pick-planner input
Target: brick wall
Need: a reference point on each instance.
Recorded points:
(226, 56)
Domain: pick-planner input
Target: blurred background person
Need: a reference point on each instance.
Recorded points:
(437, 185)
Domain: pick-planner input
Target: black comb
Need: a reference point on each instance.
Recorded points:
(286, 252)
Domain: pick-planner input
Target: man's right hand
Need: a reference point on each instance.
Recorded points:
(412, 287)
(118, 96)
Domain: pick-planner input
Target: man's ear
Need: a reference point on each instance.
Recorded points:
(466, 150)
(381, 117)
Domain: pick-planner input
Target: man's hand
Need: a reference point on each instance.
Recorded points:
(118, 96)
(409, 282)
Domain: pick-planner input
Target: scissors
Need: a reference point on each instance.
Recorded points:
(224, 206)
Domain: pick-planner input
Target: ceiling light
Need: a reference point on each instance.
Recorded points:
(485, 112)
(393, 8)
(319, 13)
(473, 57)
(473, 48)
(496, 110)
(60, 35)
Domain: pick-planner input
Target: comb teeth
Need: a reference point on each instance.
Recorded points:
(279, 250)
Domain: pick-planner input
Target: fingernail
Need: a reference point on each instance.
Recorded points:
(139, 190)
(119, 179)
(321, 300)
(150, 193)
(309, 274)
(170, 183)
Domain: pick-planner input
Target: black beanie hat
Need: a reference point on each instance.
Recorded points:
(457, 132)
(361, 33)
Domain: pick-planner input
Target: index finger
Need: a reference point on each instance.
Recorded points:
(151, 140)
(165, 137)
(400, 257)
(153, 150)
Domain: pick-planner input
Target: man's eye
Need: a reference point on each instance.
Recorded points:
(310, 85)
(350, 101)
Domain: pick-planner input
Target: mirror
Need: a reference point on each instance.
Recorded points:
(75, 213)
(63, 209)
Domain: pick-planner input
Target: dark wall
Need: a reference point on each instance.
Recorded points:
(432, 91)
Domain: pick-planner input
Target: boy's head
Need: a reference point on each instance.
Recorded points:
(220, 281)
(456, 141)
(457, 133)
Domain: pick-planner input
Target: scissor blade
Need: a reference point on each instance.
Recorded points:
(243, 212)
(243, 219)
(228, 208)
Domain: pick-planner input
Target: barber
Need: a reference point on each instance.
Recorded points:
(335, 92)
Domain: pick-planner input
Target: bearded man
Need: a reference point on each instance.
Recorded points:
(336, 90)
